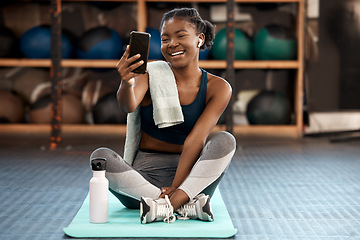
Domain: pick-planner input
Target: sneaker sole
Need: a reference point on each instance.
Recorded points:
(144, 209)
(207, 209)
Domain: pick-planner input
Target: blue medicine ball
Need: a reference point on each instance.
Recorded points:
(204, 54)
(36, 43)
(155, 44)
(100, 43)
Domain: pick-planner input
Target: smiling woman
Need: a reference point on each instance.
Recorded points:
(179, 42)
(181, 31)
(174, 168)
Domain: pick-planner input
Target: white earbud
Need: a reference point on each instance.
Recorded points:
(200, 42)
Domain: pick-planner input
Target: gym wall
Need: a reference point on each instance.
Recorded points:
(333, 82)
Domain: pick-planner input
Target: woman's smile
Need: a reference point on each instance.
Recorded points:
(177, 53)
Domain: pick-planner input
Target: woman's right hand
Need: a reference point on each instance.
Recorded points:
(125, 67)
(167, 191)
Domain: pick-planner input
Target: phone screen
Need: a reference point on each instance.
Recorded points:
(139, 43)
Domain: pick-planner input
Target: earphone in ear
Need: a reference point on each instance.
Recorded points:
(200, 42)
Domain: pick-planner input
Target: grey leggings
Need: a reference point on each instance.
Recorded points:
(152, 170)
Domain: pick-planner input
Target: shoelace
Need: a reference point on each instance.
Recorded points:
(166, 211)
(187, 210)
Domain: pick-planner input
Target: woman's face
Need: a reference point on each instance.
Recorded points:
(179, 42)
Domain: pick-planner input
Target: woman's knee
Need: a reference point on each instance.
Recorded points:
(100, 153)
(223, 141)
(113, 159)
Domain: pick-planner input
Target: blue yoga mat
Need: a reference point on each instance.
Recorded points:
(124, 222)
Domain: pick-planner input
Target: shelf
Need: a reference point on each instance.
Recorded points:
(45, 129)
(94, 63)
(285, 131)
(238, 1)
(268, 64)
(198, 1)
(216, 64)
(98, 0)
(14, 62)
(288, 131)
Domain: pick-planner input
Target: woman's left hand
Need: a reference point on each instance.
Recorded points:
(167, 191)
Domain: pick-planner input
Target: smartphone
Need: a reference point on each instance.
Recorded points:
(139, 43)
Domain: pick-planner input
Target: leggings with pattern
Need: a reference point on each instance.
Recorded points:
(153, 170)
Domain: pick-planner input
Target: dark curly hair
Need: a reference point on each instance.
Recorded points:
(192, 15)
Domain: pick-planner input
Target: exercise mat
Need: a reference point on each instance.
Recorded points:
(124, 222)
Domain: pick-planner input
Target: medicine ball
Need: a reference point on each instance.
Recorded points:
(11, 108)
(8, 43)
(36, 43)
(100, 43)
(155, 44)
(242, 45)
(28, 79)
(268, 108)
(204, 54)
(73, 111)
(107, 111)
(274, 42)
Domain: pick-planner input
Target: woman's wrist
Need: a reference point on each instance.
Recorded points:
(174, 186)
(128, 83)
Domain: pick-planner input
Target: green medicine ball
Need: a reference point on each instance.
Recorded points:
(274, 42)
(242, 45)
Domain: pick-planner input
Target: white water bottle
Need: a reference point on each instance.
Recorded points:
(99, 193)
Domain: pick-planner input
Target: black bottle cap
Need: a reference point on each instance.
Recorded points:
(98, 164)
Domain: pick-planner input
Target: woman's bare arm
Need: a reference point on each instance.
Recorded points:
(133, 86)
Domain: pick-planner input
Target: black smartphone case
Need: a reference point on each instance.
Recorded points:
(139, 43)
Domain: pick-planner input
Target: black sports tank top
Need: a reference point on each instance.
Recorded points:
(178, 133)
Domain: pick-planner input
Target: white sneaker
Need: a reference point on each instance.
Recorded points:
(198, 208)
(156, 210)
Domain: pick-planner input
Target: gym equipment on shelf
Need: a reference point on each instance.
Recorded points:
(242, 45)
(274, 42)
(8, 43)
(107, 111)
(73, 111)
(204, 54)
(155, 44)
(11, 108)
(36, 43)
(268, 108)
(100, 43)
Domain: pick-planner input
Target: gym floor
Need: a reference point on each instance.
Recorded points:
(274, 188)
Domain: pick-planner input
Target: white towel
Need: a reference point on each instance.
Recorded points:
(133, 134)
(165, 98)
(166, 106)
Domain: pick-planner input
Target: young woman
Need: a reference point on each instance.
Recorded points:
(174, 170)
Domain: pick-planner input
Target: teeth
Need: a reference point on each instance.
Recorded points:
(177, 53)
